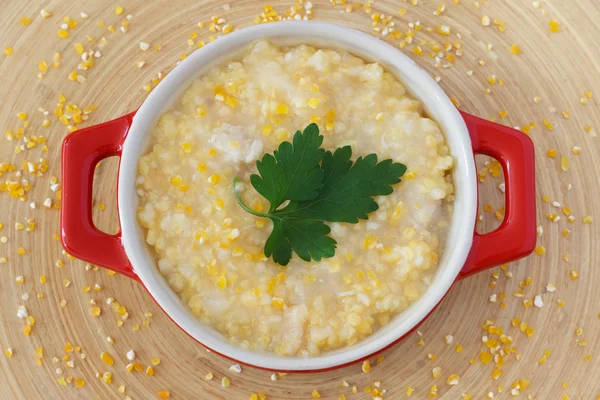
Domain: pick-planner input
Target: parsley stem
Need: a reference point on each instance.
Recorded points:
(238, 196)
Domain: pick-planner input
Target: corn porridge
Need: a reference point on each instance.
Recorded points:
(211, 251)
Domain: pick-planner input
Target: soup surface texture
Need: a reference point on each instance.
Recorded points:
(210, 250)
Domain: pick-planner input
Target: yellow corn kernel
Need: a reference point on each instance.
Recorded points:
(565, 163)
(78, 48)
(278, 303)
(314, 102)
(515, 49)
(496, 373)
(315, 394)
(201, 167)
(366, 366)
(186, 147)
(8, 51)
(529, 331)
(214, 179)
(63, 34)
(573, 274)
(222, 282)
(200, 111)
(329, 119)
(150, 371)
(453, 380)
(281, 109)
(212, 152)
(163, 394)
(485, 357)
(370, 242)
(443, 30)
(176, 180)
(43, 66)
(119, 10)
(552, 153)
(266, 130)
(225, 382)
(107, 358)
(540, 250)
(548, 124)
(231, 101)
(554, 26)
(107, 377)
(410, 175)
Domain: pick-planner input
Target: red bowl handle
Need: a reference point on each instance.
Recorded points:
(81, 152)
(516, 236)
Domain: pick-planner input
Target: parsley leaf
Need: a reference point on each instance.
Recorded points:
(308, 238)
(346, 194)
(320, 187)
(293, 172)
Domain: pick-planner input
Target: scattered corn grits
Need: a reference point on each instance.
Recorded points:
(79, 44)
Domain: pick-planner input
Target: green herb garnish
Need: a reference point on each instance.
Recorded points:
(319, 186)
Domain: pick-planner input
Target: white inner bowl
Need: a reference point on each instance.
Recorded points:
(326, 35)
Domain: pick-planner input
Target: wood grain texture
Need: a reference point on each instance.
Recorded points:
(558, 67)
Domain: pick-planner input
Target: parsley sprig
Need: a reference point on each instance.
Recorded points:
(318, 186)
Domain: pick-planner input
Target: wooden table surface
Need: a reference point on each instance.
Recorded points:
(558, 67)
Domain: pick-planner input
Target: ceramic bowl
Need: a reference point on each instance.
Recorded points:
(466, 253)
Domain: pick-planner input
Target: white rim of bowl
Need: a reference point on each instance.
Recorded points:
(322, 34)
